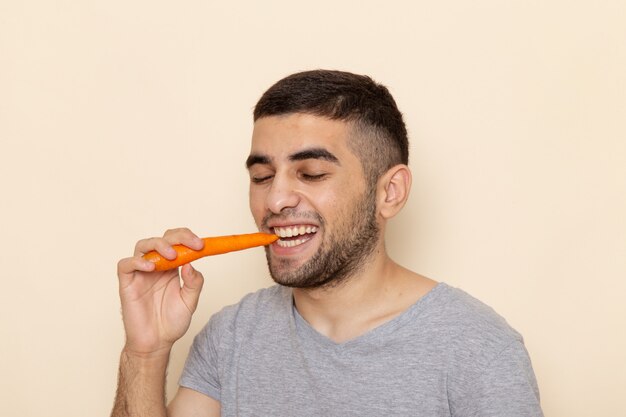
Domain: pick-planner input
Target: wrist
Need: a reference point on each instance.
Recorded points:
(159, 354)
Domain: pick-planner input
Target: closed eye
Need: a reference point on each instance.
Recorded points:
(260, 180)
(313, 177)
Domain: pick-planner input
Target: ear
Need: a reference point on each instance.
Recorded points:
(393, 190)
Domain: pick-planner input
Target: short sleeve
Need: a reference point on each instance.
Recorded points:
(506, 387)
(200, 372)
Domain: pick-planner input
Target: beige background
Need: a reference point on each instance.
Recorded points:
(120, 119)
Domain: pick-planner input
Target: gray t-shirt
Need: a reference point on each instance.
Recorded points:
(447, 355)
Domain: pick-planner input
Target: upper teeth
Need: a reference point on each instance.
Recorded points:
(294, 230)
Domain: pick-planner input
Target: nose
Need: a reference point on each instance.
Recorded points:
(281, 195)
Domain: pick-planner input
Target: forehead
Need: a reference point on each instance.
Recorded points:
(280, 136)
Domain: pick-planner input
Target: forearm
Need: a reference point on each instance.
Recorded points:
(141, 386)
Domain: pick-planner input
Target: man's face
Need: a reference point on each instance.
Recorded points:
(309, 188)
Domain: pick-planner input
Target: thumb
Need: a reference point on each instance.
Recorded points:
(192, 286)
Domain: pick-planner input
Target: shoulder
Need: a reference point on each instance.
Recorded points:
(477, 340)
(472, 315)
(470, 332)
(468, 317)
(489, 368)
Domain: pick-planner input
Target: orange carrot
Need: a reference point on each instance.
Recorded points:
(212, 246)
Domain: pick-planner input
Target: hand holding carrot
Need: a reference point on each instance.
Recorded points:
(156, 309)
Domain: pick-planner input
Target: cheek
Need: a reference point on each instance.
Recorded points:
(339, 208)
(327, 204)
(256, 201)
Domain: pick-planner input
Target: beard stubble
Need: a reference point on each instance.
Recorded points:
(341, 256)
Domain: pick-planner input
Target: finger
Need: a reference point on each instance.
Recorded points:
(134, 264)
(162, 246)
(128, 266)
(183, 236)
(192, 286)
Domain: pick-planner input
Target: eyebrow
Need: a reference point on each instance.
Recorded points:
(254, 159)
(313, 153)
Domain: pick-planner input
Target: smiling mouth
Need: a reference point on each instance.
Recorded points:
(291, 236)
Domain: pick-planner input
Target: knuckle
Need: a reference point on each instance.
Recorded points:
(143, 242)
(176, 231)
(146, 245)
(175, 236)
(169, 232)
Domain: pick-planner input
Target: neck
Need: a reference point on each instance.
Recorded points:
(378, 292)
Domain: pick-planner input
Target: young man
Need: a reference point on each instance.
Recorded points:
(347, 331)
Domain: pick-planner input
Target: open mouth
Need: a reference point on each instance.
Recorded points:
(291, 236)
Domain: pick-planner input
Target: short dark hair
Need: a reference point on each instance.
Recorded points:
(338, 95)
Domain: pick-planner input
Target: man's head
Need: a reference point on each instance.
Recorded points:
(327, 167)
(378, 133)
